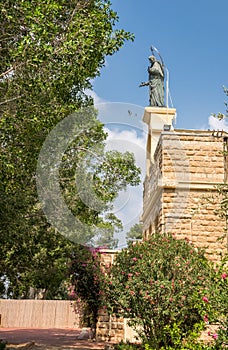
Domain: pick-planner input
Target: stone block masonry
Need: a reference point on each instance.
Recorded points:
(183, 168)
(109, 328)
(180, 189)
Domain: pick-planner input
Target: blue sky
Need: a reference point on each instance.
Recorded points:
(191, 36)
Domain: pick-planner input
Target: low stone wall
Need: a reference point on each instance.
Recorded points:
(110, 328)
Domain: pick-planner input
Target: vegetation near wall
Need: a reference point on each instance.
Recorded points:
(168, 290)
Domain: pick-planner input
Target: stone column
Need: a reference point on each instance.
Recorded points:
(158, 119)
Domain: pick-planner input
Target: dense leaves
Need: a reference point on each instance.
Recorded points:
(135, 233)
(164, 284)
(222, 115)
(49, 52)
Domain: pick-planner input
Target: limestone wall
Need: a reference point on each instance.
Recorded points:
(109, 328)
(186, 169)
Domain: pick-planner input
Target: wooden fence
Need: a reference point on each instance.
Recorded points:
(38, 314)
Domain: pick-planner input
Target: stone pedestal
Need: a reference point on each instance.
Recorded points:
(158, 119)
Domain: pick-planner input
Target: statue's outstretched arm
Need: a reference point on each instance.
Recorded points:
(144, 84)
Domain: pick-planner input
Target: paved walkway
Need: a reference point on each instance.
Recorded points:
(49, 337)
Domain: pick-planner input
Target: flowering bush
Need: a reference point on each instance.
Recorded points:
(220, 302)
(161, 285)
(85, 283)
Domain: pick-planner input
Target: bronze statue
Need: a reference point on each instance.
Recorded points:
(156, 80)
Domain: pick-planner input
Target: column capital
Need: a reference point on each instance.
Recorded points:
(166, 114)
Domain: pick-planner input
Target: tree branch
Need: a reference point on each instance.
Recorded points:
(10, 100)
(7, 72)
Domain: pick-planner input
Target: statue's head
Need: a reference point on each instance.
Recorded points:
(152, 59)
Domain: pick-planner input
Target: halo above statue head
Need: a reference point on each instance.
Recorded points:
(153, 50)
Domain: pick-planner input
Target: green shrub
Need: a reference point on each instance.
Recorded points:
(2, 345)
(127, 346)
(189, 345)
(165, 287)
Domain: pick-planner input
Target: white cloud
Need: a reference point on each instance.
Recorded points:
(217, 124)
(97, 99)
(128, 140)
(128, 206)
(126, 132)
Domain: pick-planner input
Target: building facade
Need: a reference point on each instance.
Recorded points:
(183, 169)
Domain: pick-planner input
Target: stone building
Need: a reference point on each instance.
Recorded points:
(182, 171)
(183, 168)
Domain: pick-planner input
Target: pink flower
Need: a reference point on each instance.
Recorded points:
(72, 294)
(130, 274)
(134, 259)
(224, 276)
(215, 336)
(162, 286)
(205, 318)
(205, 299)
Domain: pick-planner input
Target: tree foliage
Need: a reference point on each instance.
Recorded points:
(50, 51)
(222, 189)
(135, 233)
(222, 115)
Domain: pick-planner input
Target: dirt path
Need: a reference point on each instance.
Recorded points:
(31, 346)
(46, 339)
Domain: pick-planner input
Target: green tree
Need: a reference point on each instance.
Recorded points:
(135, 233)
(222, 115)
(222, 189)
(50, 51)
